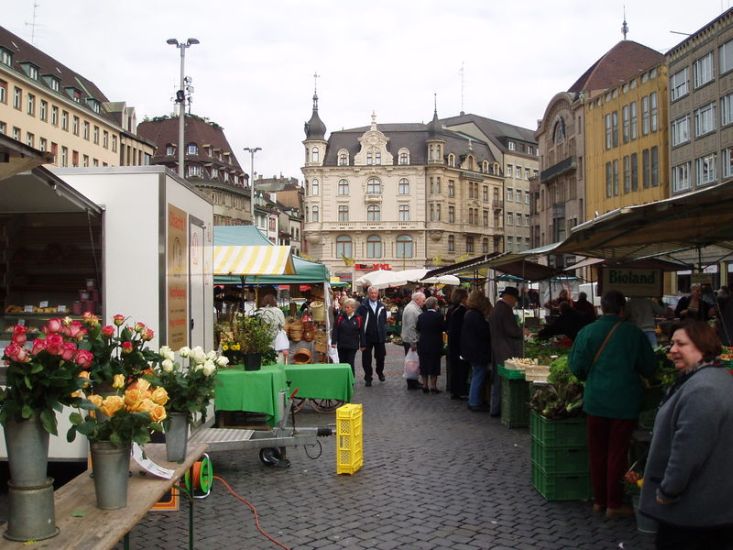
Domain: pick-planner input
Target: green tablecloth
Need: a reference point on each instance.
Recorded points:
(252, 391)
(321, 381)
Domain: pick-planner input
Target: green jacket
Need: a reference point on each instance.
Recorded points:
(613, 385)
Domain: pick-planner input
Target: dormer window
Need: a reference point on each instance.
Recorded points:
(343, 157)
(512, 146)
(74, 94)
(30, 70)
(404, 157)
(451, 160)
(170, 150)
(93, 104)
(485, 167)
(193, 171)
(6, 58)
(192, 149)
(52, 82)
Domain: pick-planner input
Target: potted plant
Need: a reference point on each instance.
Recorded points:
(189, 388)
(111, 424)
(255, 337)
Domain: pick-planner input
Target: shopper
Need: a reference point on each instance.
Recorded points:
(476, 346)
(610, 355)
(693, 306)
(568, 324)
(275, 318)
(506, 340)
(374, 335)
(642, 312)
(409, 329)
(346, 333)
(687, 481)
(585, 308)
(430, 328)
(457, 367)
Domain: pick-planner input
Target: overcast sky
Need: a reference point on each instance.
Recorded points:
(253, 70)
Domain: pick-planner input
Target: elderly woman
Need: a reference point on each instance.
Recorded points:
(688, 486)
(430, 327)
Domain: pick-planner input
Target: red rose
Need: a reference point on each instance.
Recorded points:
(14, 352)
(126, 347)
(118, 320)
(55, 344)
(69, 351)
(53, 326)
(139, 327)
(19, 335)
(84, 358)
(108, 331)
(39, 345)
(91, 319)
(148, 334)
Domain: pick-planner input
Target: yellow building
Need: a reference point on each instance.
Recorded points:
(626, 142)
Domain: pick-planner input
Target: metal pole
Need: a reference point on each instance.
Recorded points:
(181, 114)
(252, 151)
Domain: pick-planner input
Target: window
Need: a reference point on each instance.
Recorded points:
(513, 146)
(510, 244)
(451, 243)
(18, 98)
(343, 213)
(518, 195)
(192, 149)
(634, 172)
(517, 172)
(193, 171)
(609, 180)
(16, 133)
(404, 157)
(645, 169)
(678, 86)
(645, 123)
(43, 113)
(653, 102)
(54, 115)
(681, 130)
(609, 135)
(558, 133)
(170, 150)
(31, 105)
(314, 213)
(451, 214)
(705, 120)
(344, 247)
(374, 246)
(64, 156)
(727, 157)
(614, 124)
(615, 178)
(485, 195)
(6, 58)
(705, 169)
(315, 154)
(374, 213)
(30, 139)
(315, 187)
(725, 57)
(404, 246)
(510, 194)
(105, 139)
(114, 144)
(627, 174)
(3, 91)
(626, 123)
(95, 135)
(634, 121)
(86, 130)
(343, 158)
(343, 188)
(374, 186)
(702, 70)
(43, 144)
(526, 173)
(404, 213)
(526, 198)
(85, 160)
(53, 83)
(403, 187)
(469, 244)
(726, 109)
(484, 246)
(486, 218)
(510, 218)
(510, 170)
(451, 160)
(75, 125)
(451, 188)
(437, 211)
(655, 166)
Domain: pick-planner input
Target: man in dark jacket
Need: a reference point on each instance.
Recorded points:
(374, 334)
(506, 340)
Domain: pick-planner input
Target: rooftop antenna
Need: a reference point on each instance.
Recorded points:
(32, 24)
(316, 76)
(435, 103)
(625, 27)
(462, 71)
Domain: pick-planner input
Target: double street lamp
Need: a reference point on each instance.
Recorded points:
(181, 99)
(252, 151)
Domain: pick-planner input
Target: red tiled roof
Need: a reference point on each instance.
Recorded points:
(163, 131)
(619, 64)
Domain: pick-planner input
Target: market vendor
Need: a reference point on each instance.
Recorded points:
(568, 324)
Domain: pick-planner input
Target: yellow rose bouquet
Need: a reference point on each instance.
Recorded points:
(128, 415)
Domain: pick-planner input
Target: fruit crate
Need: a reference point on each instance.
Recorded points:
(561, 486)
(567, 432)
(349, 439)
(560, 460)
(514, 403)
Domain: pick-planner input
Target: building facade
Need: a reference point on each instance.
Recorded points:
(398, 196)
(49, 107)
(701, 107)
(210, 164)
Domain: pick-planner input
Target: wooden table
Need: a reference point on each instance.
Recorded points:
(85, 527)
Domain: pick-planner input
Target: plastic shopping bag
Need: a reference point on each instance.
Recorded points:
(333, 354)
(281, 341)
(412, 366)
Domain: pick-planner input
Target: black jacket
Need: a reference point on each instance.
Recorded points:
(454, 326)
(367, 314)
(476, 338)
(430, 327)
(346, 333)
(569, 323)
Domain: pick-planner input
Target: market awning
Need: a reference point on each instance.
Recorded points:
(511, 263)
(651, 263)
(16, 157)
(253, 260)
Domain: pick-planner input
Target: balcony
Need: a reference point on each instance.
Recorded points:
(373, 197)
(557, 170)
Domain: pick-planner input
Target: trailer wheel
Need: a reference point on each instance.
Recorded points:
(326, 405)
(297, 404)
(272, 456)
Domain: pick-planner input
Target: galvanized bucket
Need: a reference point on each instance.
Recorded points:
(111, 469)
(30, 512)
(27, 444)
(176, 437)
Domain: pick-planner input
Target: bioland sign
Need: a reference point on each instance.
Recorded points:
(633, 282)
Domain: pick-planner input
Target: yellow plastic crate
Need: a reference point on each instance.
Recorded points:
(349, 439)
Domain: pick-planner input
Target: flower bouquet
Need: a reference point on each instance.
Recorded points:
(633, 482)
(189, 388)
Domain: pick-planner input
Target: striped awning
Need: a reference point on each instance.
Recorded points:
(253, 260)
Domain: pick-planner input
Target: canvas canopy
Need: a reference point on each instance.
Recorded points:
(515, 264)
(253, 260)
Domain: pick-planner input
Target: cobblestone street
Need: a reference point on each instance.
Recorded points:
(435, 476)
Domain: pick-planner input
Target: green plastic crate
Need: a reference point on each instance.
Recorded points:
(561, 486)
(510, 374)
(515, 403)
(560, 460)
(568, 432)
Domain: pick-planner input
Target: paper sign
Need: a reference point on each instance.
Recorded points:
(61, 308)
(28, 309)
(43, 304)
(150, 466)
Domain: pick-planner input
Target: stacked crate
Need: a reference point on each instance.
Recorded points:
(514, 398)
(349, 439)
(560, 458)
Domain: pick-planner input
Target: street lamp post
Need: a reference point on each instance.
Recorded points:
(181, 99)
(252, 151)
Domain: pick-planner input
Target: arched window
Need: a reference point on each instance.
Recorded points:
(404, 246)
(451, 243)
(404, 156)
(485, 167)
(343, 188)
(374, 186)
(344, 247)
(451, 160)
(314, 214)
(315, 154)
(470, 163)
(314, 187)
(343, 157)
(558, 132)
(374, 246)
(307, 215)
(404, 187)
(374, 213)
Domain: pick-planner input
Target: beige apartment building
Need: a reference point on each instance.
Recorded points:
(49, 107)
(701, 107)
(398, 196)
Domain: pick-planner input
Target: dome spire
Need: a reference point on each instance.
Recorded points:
(625, 26)
(315, 128)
